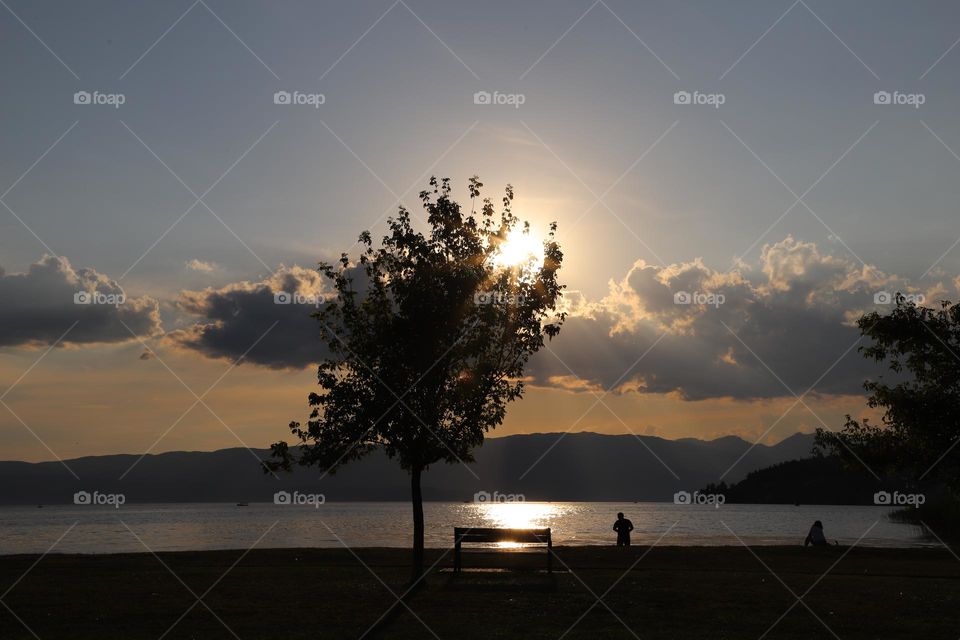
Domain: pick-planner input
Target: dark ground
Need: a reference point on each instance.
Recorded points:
(673, 592)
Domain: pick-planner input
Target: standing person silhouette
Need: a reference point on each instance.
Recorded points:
(623, 527)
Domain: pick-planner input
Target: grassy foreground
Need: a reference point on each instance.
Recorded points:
(672, 592)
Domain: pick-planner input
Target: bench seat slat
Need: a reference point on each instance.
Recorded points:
(531, 536)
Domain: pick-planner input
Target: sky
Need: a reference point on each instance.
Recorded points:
(782, 165)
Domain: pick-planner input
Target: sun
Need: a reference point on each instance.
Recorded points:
(520, 250)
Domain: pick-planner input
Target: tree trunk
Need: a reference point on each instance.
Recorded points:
(416, 496)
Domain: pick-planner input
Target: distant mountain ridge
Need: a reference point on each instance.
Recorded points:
(543, 466)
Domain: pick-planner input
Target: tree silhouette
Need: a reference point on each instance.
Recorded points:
(428, 345)
(921, 422)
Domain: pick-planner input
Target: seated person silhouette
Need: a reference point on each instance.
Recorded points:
(623, 527)
(816, 537)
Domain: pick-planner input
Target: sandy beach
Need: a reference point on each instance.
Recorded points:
(663, 592)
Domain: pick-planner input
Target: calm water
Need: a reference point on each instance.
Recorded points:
(179, 527)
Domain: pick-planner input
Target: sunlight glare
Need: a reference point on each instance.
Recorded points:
(520, 250)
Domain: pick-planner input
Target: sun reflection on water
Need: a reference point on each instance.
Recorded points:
(518, 515)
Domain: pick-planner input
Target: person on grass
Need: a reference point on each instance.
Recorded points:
(816, 537)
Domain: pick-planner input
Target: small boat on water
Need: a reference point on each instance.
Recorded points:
(243, 504)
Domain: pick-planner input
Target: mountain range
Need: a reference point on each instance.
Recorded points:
(544, 466)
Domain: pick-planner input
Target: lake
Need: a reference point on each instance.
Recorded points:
(182, 527)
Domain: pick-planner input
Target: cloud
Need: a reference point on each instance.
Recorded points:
(760, 330)
(40, 305)
(201, 266)
(747, 333)
(238, 317)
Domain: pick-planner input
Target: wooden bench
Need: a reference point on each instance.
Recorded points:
(463, 535)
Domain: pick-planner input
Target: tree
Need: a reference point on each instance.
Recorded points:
(429, 345)
(921, 421)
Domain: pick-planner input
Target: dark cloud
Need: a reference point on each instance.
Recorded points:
(239, 316)
(794, 313)
(753, 334)
(40, 305)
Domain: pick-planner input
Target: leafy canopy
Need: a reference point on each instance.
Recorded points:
(428, 337)
(921, 420)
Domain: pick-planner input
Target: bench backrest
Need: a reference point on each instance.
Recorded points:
(529, 536)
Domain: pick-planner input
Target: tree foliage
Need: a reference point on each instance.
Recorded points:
(428, 338)
(921, 421)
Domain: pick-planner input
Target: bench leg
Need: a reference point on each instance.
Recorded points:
(456, 558)
(549, 557)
